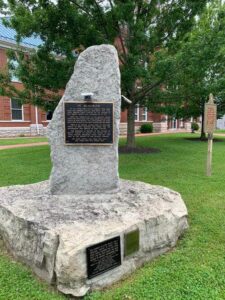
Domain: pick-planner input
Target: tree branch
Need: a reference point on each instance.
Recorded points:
(111, 4)
(121, 58)
(146, 89)
(104, 23)
(81, 8)
(117, 26)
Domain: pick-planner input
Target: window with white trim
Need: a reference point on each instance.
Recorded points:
(144, 116)
(49, 115)
(16, 109)
(136, 113)
(181, 123)
(13, 65)
(174, 123)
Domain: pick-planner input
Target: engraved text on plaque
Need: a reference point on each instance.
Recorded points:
(88, 123)
(103, 257)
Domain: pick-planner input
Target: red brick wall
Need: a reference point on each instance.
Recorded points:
(3, 60)
(5, 112)
(123, 116)
(5, 105)
(26, 112)
(29, 114)
(150, 118)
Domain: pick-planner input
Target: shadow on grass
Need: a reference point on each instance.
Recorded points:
(125, 149)
(198, 139)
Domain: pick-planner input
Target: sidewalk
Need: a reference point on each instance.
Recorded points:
(219, 134)
(121, 136)
(156, 133)
(23, 145)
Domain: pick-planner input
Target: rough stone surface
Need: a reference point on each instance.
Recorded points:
(50, 233)
(87, 169)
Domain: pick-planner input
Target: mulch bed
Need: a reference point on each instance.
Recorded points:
(125, 149)
(198, 139)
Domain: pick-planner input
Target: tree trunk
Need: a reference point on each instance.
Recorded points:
(203, 135)
(131, 126)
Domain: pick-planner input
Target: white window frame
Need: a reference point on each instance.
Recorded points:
(174, 123)
(22, 109)
(14, 78)
(46, 114)
(144, 114)
(136, 113)
(181, 123)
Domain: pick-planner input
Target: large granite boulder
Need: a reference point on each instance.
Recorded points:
(51, 233)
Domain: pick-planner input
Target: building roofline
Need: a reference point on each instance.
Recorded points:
(8, 34)
(13, 46)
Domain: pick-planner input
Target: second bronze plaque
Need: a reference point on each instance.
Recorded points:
(131, 242)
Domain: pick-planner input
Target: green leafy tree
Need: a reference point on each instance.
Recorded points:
(198, 68)
(136, 27)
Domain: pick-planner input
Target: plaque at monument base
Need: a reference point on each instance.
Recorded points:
(103, 257)
(88, 123)
(131, 242)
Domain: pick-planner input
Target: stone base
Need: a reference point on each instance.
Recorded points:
(40, 130)
(51, 233)
(123, 128)
(14, 131)
(187, 126)
(23, 131)
(159, 126)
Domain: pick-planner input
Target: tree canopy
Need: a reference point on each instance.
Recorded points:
(138, 28)
(198, 67)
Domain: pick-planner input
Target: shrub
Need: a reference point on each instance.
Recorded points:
(194, 126)
(146, 128)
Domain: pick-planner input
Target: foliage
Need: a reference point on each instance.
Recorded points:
(194, 126)
(146, 128)
(136, 28)
(198, 67)
(194, 269)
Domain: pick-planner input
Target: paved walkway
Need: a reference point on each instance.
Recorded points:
(219, 134)
(123, 136)
(23, 145)
(157, 133)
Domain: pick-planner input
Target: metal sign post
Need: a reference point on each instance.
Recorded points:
(209, 127)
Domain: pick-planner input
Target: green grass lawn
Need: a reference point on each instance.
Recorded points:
(194, 270)
(219, 131)
(22, 140)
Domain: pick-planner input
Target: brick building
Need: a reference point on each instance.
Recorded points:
(15, 118)
(18, 119)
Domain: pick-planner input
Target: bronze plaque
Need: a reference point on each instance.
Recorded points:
(131, 242)
(103, 257)
(88, 123)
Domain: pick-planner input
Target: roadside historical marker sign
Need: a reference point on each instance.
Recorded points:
(210, 118)
(88, 123)
(210, 115)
